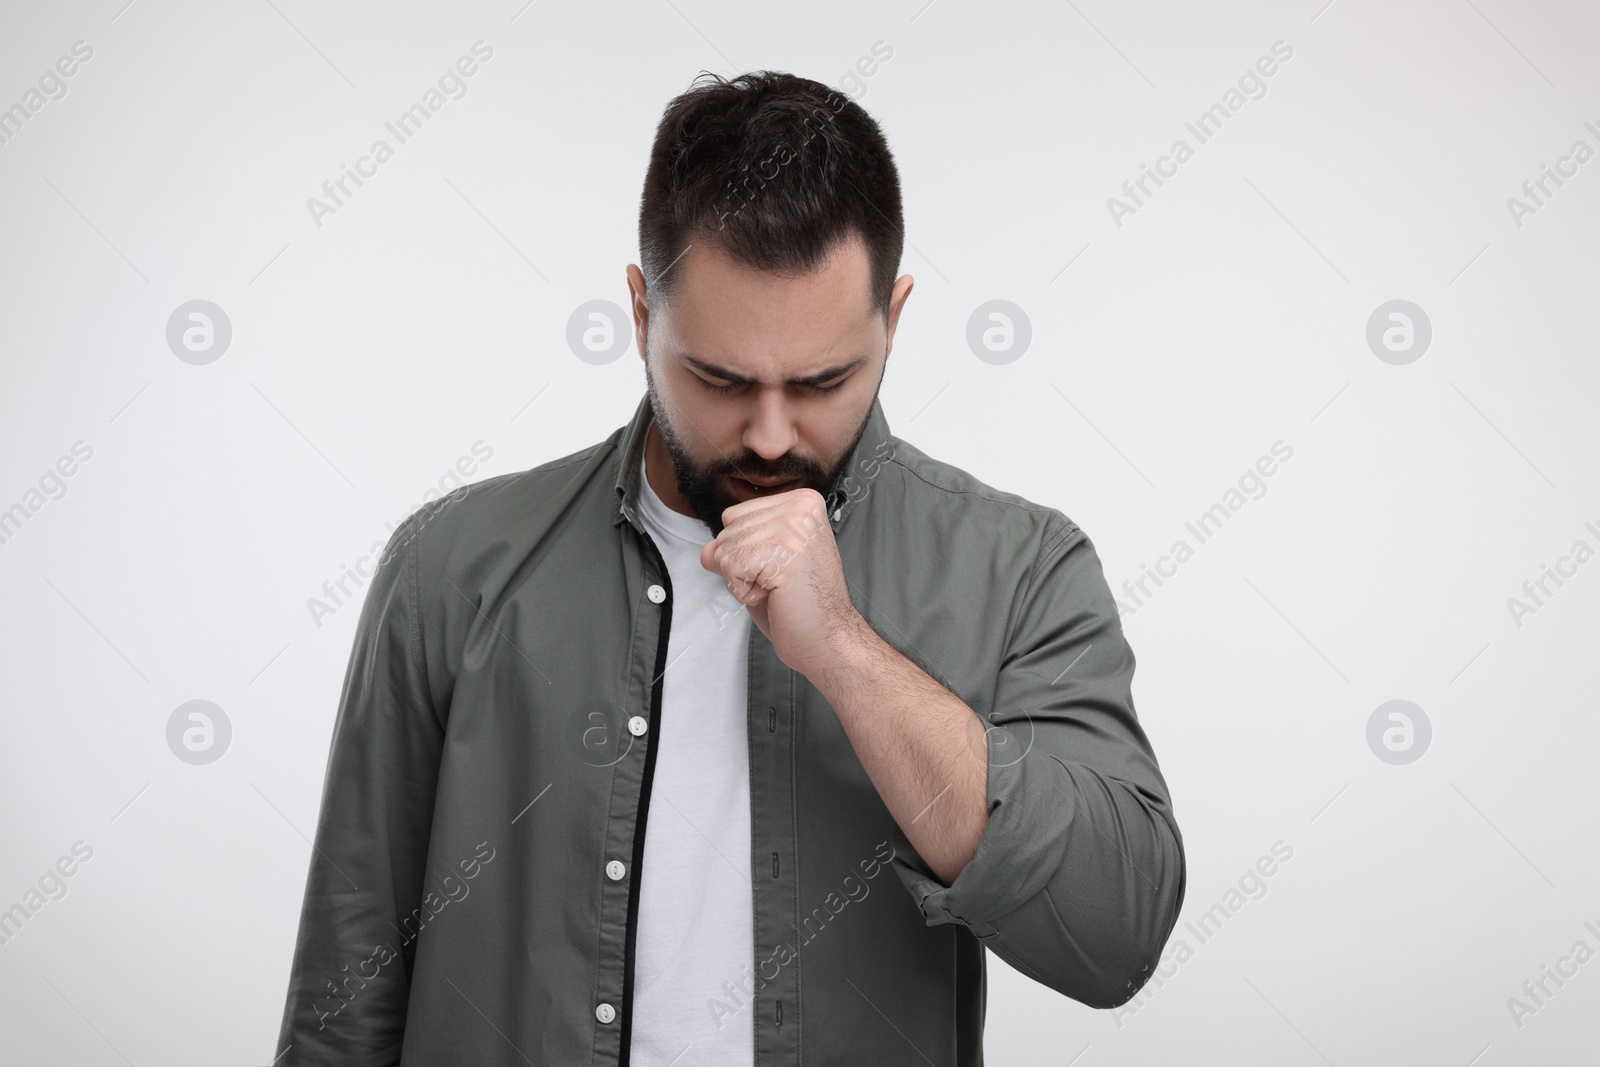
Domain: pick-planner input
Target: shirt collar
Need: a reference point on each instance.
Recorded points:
(847, 491)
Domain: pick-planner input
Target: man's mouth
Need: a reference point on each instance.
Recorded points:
(748, 488)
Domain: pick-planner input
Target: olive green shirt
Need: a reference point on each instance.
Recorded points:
(472, 895)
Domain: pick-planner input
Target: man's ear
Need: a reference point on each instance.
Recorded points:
(639, 304)
(897, 300)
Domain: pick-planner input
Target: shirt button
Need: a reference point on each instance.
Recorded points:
(656, 594)
(637, 725)
(605, 1013)
(615, 870)
(836, 513)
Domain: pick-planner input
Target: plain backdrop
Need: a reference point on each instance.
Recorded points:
(1173, 342)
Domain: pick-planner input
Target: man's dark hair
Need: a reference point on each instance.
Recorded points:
(774, 169)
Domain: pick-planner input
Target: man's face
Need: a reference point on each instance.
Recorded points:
(758, 378)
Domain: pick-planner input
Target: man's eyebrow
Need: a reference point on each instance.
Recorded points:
(825, 375)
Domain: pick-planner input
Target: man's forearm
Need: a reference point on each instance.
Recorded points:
(925, 750)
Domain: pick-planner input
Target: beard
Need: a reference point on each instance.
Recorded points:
(705, 488)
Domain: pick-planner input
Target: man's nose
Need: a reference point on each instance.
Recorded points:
(770, 433)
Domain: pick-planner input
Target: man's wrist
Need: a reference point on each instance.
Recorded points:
(852, 647)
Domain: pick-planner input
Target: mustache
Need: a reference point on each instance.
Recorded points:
(760, 469)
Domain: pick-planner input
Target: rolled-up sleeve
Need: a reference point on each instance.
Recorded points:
(350, 979)
(1079, 875)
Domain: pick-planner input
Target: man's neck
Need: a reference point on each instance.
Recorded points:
(659, 470)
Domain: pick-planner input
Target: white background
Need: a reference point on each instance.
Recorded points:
(1227, 313)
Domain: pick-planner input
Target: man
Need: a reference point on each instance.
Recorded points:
(628, 740)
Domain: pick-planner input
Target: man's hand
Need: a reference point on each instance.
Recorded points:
(779, 558)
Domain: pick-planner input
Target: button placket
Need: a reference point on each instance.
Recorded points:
(639, 765)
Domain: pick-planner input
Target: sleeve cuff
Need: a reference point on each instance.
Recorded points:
(1022, 846)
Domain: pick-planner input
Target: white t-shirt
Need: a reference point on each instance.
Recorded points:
(695, 941)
